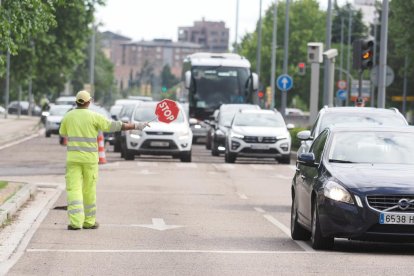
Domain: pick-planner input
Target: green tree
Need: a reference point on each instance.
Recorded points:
(168, 80)
(307, 24)
(359, 29)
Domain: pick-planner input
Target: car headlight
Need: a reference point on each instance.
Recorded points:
(336, 192)
(236, 135)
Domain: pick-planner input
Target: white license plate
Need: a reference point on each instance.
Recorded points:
(396, 218)
(260, 147)
(159, 144)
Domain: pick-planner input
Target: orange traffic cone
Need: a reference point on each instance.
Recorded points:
(101, 148)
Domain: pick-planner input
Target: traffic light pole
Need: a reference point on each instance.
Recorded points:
(383, 55)
(360, 84)
(314, 92)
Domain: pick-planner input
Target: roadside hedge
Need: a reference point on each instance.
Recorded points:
(295, 140)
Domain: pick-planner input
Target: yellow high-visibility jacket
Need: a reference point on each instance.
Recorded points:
(81, 127)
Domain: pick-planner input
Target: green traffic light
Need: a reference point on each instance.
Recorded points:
(164, 89)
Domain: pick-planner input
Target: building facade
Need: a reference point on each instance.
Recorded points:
(143, 61)
(213, 36)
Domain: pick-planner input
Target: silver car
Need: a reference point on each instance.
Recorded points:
(351, 116)
(258, 134)
(54, 118)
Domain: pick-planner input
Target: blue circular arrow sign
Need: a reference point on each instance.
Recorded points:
(341, 94)
(284, 82)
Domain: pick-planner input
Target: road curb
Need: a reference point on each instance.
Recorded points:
(13, 204)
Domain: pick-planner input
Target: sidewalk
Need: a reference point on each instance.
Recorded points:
(15, 194)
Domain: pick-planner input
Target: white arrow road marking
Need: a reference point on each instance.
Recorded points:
(159, 224)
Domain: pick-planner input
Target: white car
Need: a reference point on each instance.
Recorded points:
(173, 139)
(258, 134)
(54, 118)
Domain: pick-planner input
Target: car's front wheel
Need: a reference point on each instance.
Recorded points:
(297, 232)
(317, 239)
(214, 149)
(185, 156)
(48, 134)
(129, 155)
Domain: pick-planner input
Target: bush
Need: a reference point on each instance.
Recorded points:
(295, 140)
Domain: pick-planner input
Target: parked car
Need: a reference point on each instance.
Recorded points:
(115, 110)
(258, 134)
(329, 116)
(355, 183)
(225, 116)
(13, 108)
(173, 139)
(54, 118)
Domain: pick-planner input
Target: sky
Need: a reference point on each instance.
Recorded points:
(149, 19)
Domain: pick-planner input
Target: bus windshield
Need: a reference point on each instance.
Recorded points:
(213, 86)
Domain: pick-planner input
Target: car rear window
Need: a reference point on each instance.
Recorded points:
(371, 119)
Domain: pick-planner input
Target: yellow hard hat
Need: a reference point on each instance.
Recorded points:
(83, 97)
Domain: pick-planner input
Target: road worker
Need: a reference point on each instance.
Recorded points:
(81, 127)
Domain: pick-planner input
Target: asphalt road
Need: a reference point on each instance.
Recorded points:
(162, 217)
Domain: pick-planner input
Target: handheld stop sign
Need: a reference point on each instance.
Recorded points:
(167, 111)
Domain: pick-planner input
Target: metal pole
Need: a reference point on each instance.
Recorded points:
(339, 101)
(92, 61)
(259, 41)
(383, 55)
(30, 97)
(314, 95)
(7, 92)
(235, 50)
(274, 47)
(19, 100)
(348, 62)
(404, 101)
(331, 81)
(374, 59)
(285, 58)
(360, 84)
(326, 68)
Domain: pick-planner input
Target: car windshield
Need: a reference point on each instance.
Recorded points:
(147, 114)
(373, 119)
(372, 147)
(259, 120)
(217, 85)
(59, 110)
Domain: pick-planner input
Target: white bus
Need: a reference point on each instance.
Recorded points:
(212, 79)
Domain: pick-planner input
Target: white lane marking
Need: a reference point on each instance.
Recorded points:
(286, 230)
(186, 165)
(19, 141)
(147, 164)
(41, 250)
(37, 215)
(260, 210)
(263, 167)
(145, 172)
(242, 196)
(223, 166)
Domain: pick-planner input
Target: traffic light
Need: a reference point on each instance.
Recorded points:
(260, 94)
(363, 54)
(164, 89)
(302, 68)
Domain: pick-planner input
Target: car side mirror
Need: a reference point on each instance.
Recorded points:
(255, 81)
(187, 79)
(290, 126)
(307, 159)
(304, 135)
(125, 119)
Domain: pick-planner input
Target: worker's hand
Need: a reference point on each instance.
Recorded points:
(141, 126)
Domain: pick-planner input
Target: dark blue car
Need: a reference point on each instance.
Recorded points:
(355, 183)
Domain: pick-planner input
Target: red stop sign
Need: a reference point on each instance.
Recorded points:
(167, 111)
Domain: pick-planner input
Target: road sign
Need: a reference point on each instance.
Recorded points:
(388, 80)
(342, 85)
(341, 94)
(167, 111)
(284, 82)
